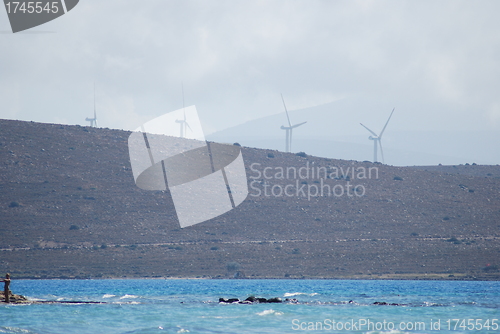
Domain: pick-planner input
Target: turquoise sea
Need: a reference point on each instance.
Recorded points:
(191, 306)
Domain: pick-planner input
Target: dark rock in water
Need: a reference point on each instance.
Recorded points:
(252, 300)
(385, 303)
(228, 301)
(380, 303)
(245, 302)
(292, 300)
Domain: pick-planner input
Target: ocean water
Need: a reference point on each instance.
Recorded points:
(191, 306)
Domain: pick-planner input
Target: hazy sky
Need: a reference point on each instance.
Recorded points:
(437, 62)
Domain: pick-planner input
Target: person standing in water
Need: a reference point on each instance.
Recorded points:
(6, 291)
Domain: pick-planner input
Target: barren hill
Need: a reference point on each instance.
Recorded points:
(69, 208)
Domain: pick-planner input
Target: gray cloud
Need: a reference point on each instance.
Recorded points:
(437, 62)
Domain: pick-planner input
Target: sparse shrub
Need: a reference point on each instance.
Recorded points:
(398, 178)
(214, 248)
(491, 268)
(104, 246)
(236, 144)
(414, 234)
(132, 247)
(296, 251)
(14, 205)
(301, 154)
(454, 240)
(471, 190)
(233, 266)
(446, 218)
(74, 227)
(270, 155)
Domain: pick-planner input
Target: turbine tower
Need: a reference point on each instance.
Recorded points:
(182, 122)
(93, 121)
(289, 128)
(377, 139)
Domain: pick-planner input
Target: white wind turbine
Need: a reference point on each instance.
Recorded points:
(289, 128)
(377, 139)
(182, 122)
(93, 121)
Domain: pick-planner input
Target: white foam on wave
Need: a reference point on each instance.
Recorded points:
(129, 296)
(108, 296)
(126, 303)
(291, 294)
(267, 312)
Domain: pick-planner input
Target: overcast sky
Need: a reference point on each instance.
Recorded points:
(437, 62)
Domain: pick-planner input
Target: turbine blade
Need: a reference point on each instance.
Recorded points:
(380, 136)
(296, 125)
(373, 133)
(381, 150)
(187, 124)
(288, 117)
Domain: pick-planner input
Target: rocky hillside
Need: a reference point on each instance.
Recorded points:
(69, 207)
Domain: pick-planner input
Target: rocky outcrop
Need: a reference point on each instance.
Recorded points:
(14, 299)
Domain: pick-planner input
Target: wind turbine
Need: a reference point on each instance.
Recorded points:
(93, 121)
(289, 128)
(377, 139)
(183, 123)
